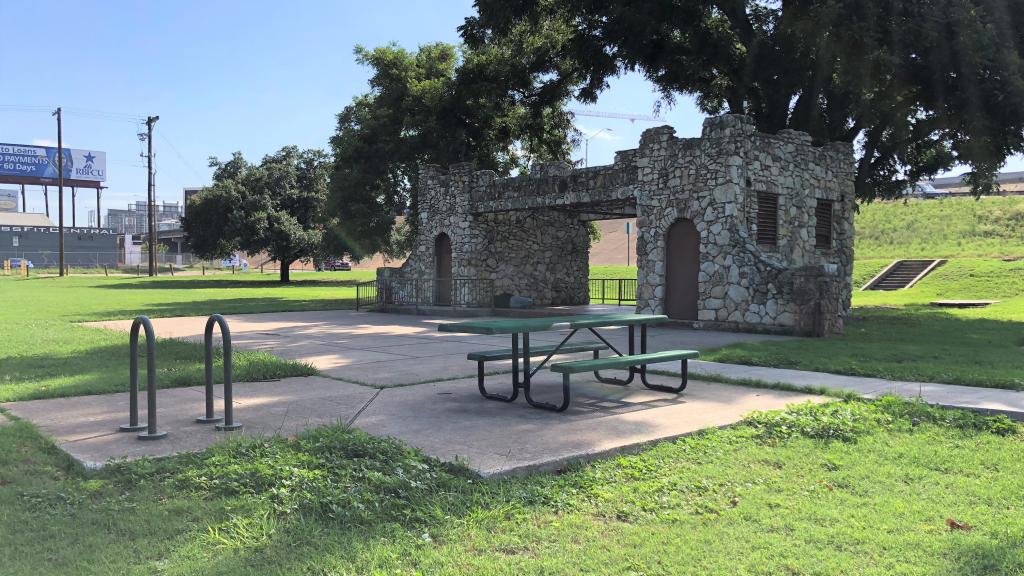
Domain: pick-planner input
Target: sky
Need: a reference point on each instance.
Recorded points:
(227, 76)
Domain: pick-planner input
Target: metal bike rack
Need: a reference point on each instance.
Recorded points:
(151, 432)
(228, 418)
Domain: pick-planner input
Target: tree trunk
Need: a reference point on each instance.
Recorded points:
(286, 268)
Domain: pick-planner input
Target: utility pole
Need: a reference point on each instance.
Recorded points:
(46, 199)
(60, 190)
(98, 206)
(74, 195)
(151, 193)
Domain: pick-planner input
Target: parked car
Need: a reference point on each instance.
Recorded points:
(335, 264)
(925, 190)
(16, 263)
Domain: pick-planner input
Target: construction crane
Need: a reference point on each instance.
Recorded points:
(616, 115)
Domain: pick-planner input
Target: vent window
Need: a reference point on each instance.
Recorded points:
(767, 219)
(823, 224)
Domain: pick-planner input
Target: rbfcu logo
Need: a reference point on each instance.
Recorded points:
(88, 170)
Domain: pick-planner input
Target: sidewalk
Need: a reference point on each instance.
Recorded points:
(990, 400)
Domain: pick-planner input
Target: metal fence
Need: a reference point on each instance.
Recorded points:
(613, 291)
(454, 292)
(116, 259)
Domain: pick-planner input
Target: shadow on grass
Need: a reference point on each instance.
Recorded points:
(914, 343)
(191, 283)
(224, 306)
(104, 369)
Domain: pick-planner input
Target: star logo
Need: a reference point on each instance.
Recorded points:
(89, 157)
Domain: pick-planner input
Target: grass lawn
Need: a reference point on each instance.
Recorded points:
(845, 488)
(948, 228)
(45, 354)
(898, 335)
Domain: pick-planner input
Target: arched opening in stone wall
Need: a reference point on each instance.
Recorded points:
(682, 267)
(443, 270)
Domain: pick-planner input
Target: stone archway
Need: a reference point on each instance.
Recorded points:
(682, 267)
(443, 270)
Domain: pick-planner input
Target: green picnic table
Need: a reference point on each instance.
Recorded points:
(521, 328)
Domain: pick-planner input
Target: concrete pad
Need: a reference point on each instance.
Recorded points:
(451, 421)
(395, 349)
(86, 427)
(448, 420)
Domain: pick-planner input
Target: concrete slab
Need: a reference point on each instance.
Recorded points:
(395, 349)
(449, 421)
(86, 426)
(376, 348)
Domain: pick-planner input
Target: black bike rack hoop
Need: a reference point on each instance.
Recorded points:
(229, 423)
(151, 432)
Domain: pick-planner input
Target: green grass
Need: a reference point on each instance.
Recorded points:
(948, 228)
(897, 335)
(848, 488)
(47, 354)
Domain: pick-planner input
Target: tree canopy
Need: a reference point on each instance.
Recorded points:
(919, 85)
(437, 105)
(276, 206)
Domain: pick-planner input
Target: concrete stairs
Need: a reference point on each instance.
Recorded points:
(902, 274)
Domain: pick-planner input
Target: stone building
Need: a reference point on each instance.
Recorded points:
(735, 229)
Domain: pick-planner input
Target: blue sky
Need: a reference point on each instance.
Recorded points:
(224, 76)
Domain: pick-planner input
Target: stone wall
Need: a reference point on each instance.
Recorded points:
(713, 181)
(542, 254)
(528, 233)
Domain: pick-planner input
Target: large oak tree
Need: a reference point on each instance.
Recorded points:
(919, 85)
(276, 206)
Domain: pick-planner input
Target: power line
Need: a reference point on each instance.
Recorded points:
(79, 112)
(179, 155)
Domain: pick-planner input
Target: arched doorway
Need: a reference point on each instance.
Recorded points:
(443, 270)
(682, 265)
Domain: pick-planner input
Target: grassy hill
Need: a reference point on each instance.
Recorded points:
(948, 228)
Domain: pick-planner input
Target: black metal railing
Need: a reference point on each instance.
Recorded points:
(366, 294)
(613, 291)
(454, 292)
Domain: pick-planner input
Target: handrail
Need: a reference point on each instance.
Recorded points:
(448, 292)
(878, 277)
(229, 423)
(623, 290)
(151, 432)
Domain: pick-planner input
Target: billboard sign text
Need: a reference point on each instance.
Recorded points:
(28, 161)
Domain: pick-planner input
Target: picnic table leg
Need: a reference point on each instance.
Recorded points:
(643, 369)
(526, 383)
(632, 372)
(515, 376)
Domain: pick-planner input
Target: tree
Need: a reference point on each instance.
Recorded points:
(276, 206)
(437, 105)
(919, 85)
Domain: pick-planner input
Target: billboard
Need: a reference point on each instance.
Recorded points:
(8, 200)
(27, 161)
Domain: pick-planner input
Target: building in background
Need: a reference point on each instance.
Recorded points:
(188, 193)
(36, 238)
(135, 220)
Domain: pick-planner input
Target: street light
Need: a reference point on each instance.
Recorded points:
(586, 145)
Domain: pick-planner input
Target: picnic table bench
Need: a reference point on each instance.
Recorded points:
(521, 328)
